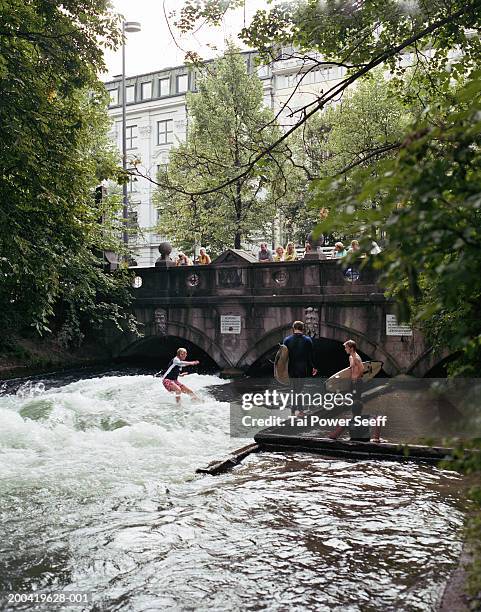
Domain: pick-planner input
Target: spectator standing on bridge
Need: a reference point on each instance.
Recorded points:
(300, 361)
(354, 248)
(264, 254)
(291, 254)
(174, 370)
(204, 259)
(339, 250)
(279, 256)
(183, 260)
(376, 249)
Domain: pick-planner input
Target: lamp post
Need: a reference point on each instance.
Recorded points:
(127, 26)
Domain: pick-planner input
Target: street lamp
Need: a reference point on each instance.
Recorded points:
(127, 26)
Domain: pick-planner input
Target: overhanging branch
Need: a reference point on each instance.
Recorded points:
(330, 95)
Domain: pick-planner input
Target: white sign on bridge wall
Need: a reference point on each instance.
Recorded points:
(393, 328)
(230, 324)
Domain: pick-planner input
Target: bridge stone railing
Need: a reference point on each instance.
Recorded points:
(237, 277)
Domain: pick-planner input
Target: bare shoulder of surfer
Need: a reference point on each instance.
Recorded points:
(355, 362)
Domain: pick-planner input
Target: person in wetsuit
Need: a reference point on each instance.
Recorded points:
(300, 361)
(170, 379)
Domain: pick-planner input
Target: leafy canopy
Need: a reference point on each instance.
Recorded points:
(55, 151)
(429, 206)
(228, 125)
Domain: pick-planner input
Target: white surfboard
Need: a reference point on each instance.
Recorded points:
(341, 381)
(281, 365)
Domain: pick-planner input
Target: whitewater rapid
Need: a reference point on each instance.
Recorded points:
(108, 432)
(98, 494)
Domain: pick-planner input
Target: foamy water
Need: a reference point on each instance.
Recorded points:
(98, 493)
(103, 432)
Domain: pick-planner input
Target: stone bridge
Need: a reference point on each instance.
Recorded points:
(234, 312)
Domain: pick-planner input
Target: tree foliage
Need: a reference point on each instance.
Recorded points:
(55, 151)
(365, 126)
(429, 206)
(353, 33)
(425, 184)
(227, 125)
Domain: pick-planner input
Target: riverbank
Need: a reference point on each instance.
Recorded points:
(27, 356)
(454, 596)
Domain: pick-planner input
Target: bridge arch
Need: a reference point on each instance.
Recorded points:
(183, 333)
(327, 331)
(430, 361)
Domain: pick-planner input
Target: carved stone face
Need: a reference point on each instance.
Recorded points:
(160, 320)
(311, 320)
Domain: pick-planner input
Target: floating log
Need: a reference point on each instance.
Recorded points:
(227, 463)
(274, 442)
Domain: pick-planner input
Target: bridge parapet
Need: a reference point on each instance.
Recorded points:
(240, 278)
(237, 310)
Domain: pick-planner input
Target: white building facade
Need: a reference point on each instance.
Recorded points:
(157, 120)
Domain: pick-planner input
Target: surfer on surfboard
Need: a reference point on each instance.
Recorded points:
(174, 371)
(300, 361)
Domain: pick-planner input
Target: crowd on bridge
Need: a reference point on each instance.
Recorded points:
(287, 254)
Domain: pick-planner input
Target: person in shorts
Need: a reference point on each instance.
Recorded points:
(170, 379)
(358, 432)
(357, 369)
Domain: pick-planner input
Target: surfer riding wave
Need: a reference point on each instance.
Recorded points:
(170, 379)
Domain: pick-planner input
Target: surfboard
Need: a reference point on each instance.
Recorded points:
(341, 381)
(281, 365)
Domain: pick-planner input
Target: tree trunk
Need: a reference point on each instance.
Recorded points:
(237, 240)
(238, 209)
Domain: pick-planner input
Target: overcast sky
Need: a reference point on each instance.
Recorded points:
(154, 48)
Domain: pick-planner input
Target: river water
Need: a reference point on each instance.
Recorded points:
(98, 494)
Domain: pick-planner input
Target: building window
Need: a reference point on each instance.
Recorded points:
(133, 220)
(287, 80)
(114, 97)
(165, 130)
(131, 136)
(164, 87)
(146, 90)
(130, 94)
(162, 168)
(182, 83)
(132, 225)
(262, 71)
(133, 181)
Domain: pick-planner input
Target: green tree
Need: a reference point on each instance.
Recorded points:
(429, 208)
(227, 126)
(359, 35)
(365, 126)
(55, 151)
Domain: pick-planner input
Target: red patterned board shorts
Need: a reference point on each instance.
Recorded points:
(174, 385)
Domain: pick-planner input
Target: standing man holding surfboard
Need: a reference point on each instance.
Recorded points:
(357, 369)
(301, 365)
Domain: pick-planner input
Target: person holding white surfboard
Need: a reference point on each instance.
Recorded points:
(357, 369)
(357, 432)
